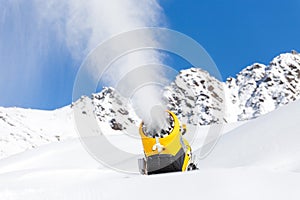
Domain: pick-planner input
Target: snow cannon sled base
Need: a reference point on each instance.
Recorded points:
(166, 154)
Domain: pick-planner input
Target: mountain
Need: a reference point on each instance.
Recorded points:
(195, 96)
(259, 89)
(110, 107)
(200, 99)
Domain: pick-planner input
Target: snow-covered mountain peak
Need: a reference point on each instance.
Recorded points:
(259, 89)
(196, 97)
(111, 107)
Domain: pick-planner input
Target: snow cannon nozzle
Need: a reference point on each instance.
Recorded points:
(161, 124)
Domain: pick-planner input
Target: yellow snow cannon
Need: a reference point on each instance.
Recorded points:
(165, 150)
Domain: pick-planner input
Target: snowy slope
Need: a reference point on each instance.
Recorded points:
(256, 160)
(23, 129)
(270, 141)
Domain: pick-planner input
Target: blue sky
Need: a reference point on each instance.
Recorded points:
(40, 56)
(237, 33)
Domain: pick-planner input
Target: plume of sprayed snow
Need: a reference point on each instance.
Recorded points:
(153, 111)
(143, 85)
(33, 30)
(85, 24)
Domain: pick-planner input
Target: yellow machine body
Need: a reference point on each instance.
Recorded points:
(173, 144)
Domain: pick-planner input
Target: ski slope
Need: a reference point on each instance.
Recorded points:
(259, 159)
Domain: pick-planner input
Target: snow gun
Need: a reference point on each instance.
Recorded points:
(165, 150)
